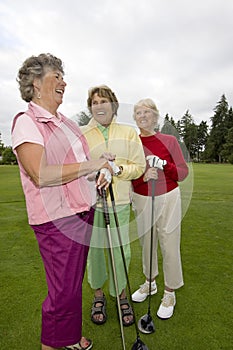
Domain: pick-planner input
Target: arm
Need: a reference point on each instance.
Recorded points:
(135, 163)
(33, 159)
(176, 168)
(172, 162)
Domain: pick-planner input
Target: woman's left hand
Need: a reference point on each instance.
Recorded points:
(150, 174)
(108, 156)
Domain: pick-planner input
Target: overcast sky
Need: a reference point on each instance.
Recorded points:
(177, 52)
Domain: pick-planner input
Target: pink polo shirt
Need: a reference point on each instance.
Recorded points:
(64, 144)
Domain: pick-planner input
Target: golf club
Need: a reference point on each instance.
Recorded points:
(138, 344)
(107, 221)
(146, 324)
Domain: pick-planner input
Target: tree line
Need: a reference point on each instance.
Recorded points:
(199, 142)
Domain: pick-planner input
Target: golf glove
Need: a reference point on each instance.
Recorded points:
(107, 174)
(156, 162)
(116, 170)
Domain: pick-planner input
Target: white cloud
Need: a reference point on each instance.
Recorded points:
(177, 52)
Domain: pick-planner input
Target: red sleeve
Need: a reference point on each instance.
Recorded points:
(176, 168)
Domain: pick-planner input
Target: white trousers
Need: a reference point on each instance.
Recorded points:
(166, 231)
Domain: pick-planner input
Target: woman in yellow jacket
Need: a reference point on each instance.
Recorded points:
(121, 145)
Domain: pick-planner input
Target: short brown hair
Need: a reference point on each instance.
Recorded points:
(103, 91)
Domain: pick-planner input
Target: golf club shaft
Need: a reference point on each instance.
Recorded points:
(151, 238)
(119, 235)
(107, 221)
(121, 248)
(138, 344)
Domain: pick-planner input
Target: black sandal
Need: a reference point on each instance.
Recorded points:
(126, 312)
(99, 310)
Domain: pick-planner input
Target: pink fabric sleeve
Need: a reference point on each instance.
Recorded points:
(25, 131)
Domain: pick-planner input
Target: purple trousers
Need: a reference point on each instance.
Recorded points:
(64, 246)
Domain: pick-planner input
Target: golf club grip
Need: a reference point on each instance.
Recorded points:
(111, 193)
(105, 206)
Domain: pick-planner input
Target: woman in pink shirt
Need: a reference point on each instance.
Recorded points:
(166, 166)
(57, 179)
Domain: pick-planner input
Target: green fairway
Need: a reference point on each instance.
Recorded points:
(203, 314)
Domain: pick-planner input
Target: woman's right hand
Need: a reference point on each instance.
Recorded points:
(105, 174)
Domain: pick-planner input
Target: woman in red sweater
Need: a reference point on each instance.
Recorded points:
(166, 165)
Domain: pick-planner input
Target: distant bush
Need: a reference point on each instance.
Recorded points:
(8, 157)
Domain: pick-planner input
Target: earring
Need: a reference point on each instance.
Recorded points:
(38, 95)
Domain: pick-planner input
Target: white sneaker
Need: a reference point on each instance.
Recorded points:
(166, 308)
(142, 293)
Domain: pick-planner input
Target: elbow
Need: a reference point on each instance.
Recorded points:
(182, 176)
(38, 181)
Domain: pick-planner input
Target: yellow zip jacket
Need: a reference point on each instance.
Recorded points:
(124, 142)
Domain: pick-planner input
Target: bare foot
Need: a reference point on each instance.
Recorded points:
(84, 342)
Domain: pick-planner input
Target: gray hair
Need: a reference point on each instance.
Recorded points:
(146, 102)
(36, 67)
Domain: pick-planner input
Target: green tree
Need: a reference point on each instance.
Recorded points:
(189, 134)
(83, 118)
(229, 119)
(218, 131)
(227, 152)
(202, 137)
(8, 157)
(1, 145)
(169, 127)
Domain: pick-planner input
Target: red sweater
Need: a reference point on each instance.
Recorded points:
(166, 147)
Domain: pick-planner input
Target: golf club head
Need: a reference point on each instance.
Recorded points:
(146, 324)
(139, 345)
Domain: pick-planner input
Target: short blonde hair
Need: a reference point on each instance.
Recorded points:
(103, 91)
(148, 103)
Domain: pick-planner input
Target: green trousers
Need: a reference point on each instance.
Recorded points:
(99, 266)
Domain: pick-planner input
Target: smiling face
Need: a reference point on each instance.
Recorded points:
(49, 90)
(101, 109)
(146, 120)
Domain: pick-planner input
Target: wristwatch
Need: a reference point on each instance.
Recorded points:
(120, 171)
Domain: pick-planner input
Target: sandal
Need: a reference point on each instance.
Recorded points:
(126, 312)
(78, 346)
(99, 310)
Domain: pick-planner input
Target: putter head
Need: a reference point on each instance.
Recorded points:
(139, 345)
(146, 324)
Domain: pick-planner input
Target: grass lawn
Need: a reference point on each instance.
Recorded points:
(203, 314)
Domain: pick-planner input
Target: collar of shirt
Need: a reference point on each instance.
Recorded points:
(44, 116)
(104, 131)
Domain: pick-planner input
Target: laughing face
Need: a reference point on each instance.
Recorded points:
(101, 109)
(49, 90)
(146, 120)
